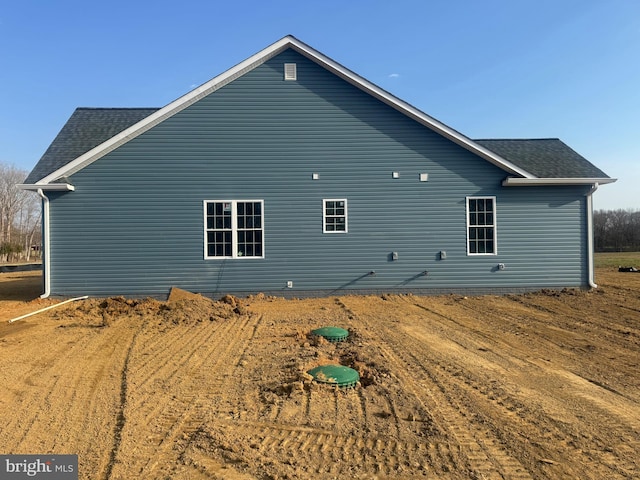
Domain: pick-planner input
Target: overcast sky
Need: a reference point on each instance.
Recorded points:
(567, 69)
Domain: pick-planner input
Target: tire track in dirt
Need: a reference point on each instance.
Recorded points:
(344, 429)
(550, 382)
(585, 346)
(175, 399)
(120, 416)
(67, 407)
(480, 451)
(321, 452)
(498, 404)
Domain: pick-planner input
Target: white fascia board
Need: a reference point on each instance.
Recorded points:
(65, 187)
(167, 111)
(406, 108)
(537, 182)
(251, 63)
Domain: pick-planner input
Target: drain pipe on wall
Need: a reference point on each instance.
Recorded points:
(45, 246)
(590, 253)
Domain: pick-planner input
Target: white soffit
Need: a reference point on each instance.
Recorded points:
(536, 182)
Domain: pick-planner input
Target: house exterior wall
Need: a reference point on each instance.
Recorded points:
(135, 225)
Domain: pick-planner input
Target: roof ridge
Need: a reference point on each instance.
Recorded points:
(118, 108)
(515, 139)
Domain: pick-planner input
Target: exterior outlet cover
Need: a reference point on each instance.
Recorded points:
(424, 177)
(394, 255)
(289, 284)
(315, 176)
(395, 174)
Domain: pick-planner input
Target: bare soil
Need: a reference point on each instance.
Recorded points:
(535, 386)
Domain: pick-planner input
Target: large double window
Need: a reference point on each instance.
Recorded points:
(481, 226)
(234, 229)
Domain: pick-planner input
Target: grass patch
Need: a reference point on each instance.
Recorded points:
(616, 259)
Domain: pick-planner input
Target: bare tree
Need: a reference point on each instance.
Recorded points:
(616, 230)
(19, 214)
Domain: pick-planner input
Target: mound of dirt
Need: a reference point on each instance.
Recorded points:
(182, 307)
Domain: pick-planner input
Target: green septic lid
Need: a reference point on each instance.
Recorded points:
(335, 375)
(333, 334)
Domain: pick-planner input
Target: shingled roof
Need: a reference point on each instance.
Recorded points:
(91, 133)
(86, 128)
(544, 157)
(89, 127)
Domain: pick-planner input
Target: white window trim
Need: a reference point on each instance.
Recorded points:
(324, 215)
(495, 225)
(234, 229)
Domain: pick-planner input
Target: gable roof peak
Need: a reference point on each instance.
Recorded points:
(49, 171)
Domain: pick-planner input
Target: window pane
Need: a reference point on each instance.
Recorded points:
(219, 225)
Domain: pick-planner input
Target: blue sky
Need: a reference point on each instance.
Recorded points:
(489, 69)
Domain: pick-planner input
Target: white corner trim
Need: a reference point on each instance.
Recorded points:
(537, 182)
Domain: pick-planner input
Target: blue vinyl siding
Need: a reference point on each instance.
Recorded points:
(134, 224)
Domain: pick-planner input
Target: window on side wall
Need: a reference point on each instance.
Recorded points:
(481, 226)
(334, 215)
(233, 229)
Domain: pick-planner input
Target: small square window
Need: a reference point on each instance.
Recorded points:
(334, 216)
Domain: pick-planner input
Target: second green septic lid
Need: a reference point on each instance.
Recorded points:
(333, 334)
(338, 375)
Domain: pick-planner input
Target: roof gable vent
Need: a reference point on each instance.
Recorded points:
(290, 71)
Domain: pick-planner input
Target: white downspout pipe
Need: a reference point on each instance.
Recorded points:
(45, 241)
(48, 308)
(590, 254)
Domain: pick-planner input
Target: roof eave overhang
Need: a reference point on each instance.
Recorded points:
(59, 187)
(251, 63)
(538, 182)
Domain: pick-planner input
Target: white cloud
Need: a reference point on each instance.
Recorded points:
(394, 75)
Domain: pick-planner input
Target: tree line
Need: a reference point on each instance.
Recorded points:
(20, 217)
(616, 230)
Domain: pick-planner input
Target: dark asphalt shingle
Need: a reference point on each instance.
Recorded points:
(544, 157)
(89, 127)
(85, 129)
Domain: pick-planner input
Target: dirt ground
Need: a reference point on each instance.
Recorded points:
(534, 386)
